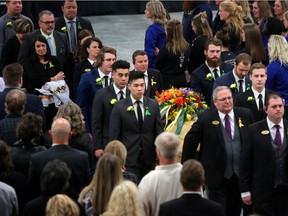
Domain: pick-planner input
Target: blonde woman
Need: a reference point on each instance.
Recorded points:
(277, 69)
(285, 22)
(118, 149)
(203, 31)
(246, 13)
(62, 205)
(173, 57)
(125, 201)
(155, 37)
(231, 14)
(95, 196)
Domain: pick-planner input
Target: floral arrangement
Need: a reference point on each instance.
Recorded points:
(178, 106)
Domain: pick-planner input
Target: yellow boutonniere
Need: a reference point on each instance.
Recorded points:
(209, 77)
(153, 82)
(233, 86)
(9, 24)
(240, 123)
(147, 112)
(250, 99)
(113, 101)
(98, 81)
(51, 65)
(130, 109)
(64, 29)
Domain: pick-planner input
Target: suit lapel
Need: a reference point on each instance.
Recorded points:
(266, 137)
(217, 123)
(132, 114)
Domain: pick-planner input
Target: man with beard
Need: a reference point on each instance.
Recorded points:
(238, 81)
(202, 79)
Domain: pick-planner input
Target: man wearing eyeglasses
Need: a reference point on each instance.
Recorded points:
(58, 42)
(14, 9)
(221, 131)
(104, 101)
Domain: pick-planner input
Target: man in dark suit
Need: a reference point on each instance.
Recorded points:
(153, 79)
(251, 98)
(58, 42)
(221, 131)
(70, 19)
(238, 81)
(202, 79)
(263, 166)
(136, 122)
(12, 75)
(76, 160)
(91, 82)
(191, 203)
(103, 103)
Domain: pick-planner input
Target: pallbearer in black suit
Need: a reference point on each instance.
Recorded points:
(263, 162)
(254, 98)
(191, 203)
(70, 23)
(103, 103)
(136, 122)
(153, 79)
(221, 132)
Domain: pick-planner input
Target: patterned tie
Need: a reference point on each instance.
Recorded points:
(228, 126)
(278, 136)
(50, 44)
(260, 102)
(73, 41)
(139, 113)
(240, 86)
(215, 71)
(121, 95)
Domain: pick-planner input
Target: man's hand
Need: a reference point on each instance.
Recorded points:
(247, 200)
(99, 153)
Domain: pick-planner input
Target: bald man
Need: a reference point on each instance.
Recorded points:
(75, 159)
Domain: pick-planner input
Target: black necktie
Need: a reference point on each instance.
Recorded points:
(139, 113)
(215, 71)
(260, 102)
(121, 95)
(73, 41)
(106, 81)
(240, 86)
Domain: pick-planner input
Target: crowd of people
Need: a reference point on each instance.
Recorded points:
(82, 134)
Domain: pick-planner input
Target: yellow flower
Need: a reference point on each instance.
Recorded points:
(209, 77)
(171, 100)
(10, 24)
(251, 98)
(233, 86)
(64, 29)
(175, 114)
(240, 123)
(113, 101)
(189, 117)
(153, 82)
(205, 106)
(130, 109)
(51, 65)
(98, 81)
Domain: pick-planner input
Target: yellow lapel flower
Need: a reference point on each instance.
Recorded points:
(113, 101)
(9, 24)
(233, 86)
(98, 81)
(209, 77)
(153, 82)
(64, 29)
(240, 123)
(130, 109)
(250, 99)
(51, 65)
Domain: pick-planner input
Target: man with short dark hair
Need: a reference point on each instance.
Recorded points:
(136, 122)
(202, 79)
(71, 24)
(77, 160)
(13, 78)
(191, 203)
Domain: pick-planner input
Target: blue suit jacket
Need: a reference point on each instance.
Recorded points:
(200, 84)
(85, 94)
(228, 79)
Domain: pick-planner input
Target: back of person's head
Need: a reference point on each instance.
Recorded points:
(29, 127)
(55, 178)
(101, 55)
(72, 113)
(12, 75)
(192, 175)
(168, 145)
(212, 41)
(277, 49)
(6, 163)
(225, 37)
(118, 149)
(125, 201)
(23, 26)
(274, 26)
(60, 131)
(201, 25)
(62, 205)
(108, 174)
(83, 34)
(15, 102)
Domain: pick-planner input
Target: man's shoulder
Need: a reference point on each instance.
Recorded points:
(201, 69)
(153, 72)
(82, 20)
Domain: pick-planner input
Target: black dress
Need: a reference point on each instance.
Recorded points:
(10, 51)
